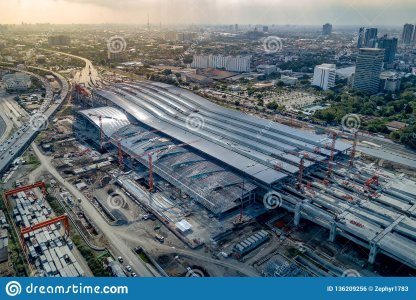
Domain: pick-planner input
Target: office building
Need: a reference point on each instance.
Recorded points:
(324, 76)
(265, 28)
(228, 63)
(408, 36)
(327, 29)
(361, 33)
(390, 48)
(390, 81)
(367, 37)
(370, 37)
(368, 69)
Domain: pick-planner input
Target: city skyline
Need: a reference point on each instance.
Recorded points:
(301, 12)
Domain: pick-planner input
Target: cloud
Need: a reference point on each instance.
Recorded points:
(313, 12)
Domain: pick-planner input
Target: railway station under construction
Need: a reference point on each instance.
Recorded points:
(224, 159)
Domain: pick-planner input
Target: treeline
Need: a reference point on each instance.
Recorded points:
(380, 109)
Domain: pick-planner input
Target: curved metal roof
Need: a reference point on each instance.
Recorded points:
(112, 118)
(265, 150)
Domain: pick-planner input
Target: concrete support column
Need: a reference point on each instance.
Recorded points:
(333, 232)
(373, 252)
(298, 209)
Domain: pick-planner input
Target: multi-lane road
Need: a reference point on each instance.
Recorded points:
(88, 76)
(26, 132)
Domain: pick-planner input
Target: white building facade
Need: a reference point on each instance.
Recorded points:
(324, 76)
(230, 63)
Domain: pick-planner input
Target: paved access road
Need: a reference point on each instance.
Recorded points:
(117, 244)
(88, 75)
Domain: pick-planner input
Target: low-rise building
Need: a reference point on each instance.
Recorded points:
(390, 81)
(266, 69)
(17, 82)
(288, 80)
(195, 78)
(395, 125)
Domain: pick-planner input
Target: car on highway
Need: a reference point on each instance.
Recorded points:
(133, 274)
(128, 268)
(120, 259)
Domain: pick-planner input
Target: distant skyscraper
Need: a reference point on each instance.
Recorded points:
(367, 37)
(236, 27)
(368, 70)
(408, 36)
(370, 37)
(361, 37)
(390, 48)
(324, 76)
(327, 29)
(265, 28)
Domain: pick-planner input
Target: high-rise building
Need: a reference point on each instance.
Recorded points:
(324, 76)
(236, 27)
(327, 29)
(367, 37)
(361, 36)
(368, 69)
(408, 36)
(229, 63)
(265, 28)
(371, 37)
(390, 48)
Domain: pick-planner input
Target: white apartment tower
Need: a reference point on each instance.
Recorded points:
(229, 63)
(324, 76)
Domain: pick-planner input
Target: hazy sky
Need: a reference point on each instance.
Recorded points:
(305, 12)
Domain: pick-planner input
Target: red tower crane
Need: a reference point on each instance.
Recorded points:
(101, 130)
(82, 90)
(100, 119)
(372, 180)
(150, 158)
